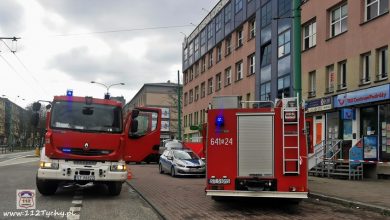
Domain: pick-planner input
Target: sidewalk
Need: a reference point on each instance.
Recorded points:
(371, 194)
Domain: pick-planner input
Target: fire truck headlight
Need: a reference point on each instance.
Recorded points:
(48, 165)
(293, 189)
(118, 168)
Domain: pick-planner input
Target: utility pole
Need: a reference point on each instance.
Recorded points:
(296, 6)
(178, 106)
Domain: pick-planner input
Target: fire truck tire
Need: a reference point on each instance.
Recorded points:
(160, 168)
(173, 174)
(114, 188)
(46, 187)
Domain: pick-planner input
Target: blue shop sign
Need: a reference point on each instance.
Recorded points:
(373, 94)
(347, 114)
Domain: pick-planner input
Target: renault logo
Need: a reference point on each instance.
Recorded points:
(86, 146)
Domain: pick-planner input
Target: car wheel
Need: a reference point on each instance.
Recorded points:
(173, 174)
(160, 168)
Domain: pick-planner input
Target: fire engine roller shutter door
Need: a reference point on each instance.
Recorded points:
(255, 144)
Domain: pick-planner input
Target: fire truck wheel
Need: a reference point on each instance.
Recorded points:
(160, 168)
(114, 188)
(173, 174)
(46, 187)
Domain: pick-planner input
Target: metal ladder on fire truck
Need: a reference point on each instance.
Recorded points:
(290, 133)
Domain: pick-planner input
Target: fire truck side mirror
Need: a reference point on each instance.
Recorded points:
(36, 106)
(35, 119)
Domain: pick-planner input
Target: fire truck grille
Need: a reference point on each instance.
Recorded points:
(255, 184)
(90, 152)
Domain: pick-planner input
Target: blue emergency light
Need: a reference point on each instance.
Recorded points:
(219, 121)
(66, 150)
(69, 92)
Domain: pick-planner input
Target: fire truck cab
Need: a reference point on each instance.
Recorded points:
(256, 152)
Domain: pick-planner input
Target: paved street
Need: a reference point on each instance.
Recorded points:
(92, 203)
(184, 198)
(174, 198)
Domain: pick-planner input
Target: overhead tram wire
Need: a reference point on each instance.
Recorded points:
(122, 30)
(27, 69)
(13, 68)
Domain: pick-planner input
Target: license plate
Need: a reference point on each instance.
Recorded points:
(84, 177)
(194, 170)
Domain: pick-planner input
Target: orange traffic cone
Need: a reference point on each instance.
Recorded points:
(129, 174)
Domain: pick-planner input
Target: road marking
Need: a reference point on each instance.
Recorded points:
(2, 164)
(77, 204)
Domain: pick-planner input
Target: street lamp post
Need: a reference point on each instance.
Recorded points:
(107, 95)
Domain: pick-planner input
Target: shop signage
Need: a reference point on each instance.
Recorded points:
(373, 94)
(370, 147)
(347, 114)
(317, 105)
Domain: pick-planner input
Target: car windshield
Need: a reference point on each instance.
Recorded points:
(174, 145)
(86, 117)
(185, 155)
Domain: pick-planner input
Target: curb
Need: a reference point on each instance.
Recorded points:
(350, 203)
(159, 214)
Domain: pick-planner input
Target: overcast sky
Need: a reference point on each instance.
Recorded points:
(65, 44)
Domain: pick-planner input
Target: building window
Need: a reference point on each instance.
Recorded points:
(251, 66)
(185, 121)
(191, 73)
(383, 62)
(196, 43)
(196, 66)
(342, 75)
(365, 60)
(202, 89)
(210, 31)
(228, 45)
(237, 6)
(284, 7)
(266, 54)
(374, 8)
(309, 35)
(248, 99)
(211, 58)
(191, 96)
(338, 20)
(266, 14)
(219, 53)
(218, 81)
(210, 86)
(239, 37)
(196, 117)
(185, 98)
(203, 64)
(185, 76)
(265, 91)
(312, 84)
(239, 74)
(284, 86)
(196, 93)
(228, 13)
(218, 22)
(203, 37)
(329, 79)
(190, 120)
(284, 44)
(252, 29)
(228, 76)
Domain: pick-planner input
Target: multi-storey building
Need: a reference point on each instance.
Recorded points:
(13, 123)
(163, 96)
(241, 48)
(345, 65)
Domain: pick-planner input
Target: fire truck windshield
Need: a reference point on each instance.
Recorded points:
(86, 117)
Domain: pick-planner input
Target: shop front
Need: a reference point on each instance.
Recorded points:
(315, 120)
(365, 116)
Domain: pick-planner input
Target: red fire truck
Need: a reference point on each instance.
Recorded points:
(257, 152)
(88, 142)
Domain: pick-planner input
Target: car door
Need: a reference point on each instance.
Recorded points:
(142, 134)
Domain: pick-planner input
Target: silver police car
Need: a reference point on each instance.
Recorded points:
(181, 162)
